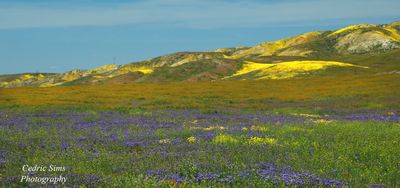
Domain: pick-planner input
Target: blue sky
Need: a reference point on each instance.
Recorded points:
(58, 35)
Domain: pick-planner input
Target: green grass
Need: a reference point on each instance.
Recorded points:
(358, 153)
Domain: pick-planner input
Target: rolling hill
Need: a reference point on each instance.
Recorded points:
(357, 49)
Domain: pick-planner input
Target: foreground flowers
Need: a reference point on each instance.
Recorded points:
(266, 172)
(190, 148)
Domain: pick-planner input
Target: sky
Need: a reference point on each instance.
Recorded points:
(58, 35)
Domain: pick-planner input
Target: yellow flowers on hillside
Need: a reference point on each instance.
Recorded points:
(145, 70)
(252, 66)
(188, 59)
(23, 78)
(26, 77)
(350, 28)
(286, 70)
(41, 77)
(127, 69)
(72, 75)
(390, 31)
(275, 47)
(394, 33)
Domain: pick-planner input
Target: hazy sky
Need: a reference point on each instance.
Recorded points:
(60, 35)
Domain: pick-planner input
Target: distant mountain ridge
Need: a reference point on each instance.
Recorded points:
(311, 54)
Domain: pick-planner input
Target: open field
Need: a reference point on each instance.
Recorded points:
(324, 93)
(194, 149)
(326, 131)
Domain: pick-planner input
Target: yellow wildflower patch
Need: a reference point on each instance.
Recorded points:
(165, 141)
(214, 128)
(350, 28)
(271, 48)
(71, 76)
(394, 33)
(145, 70)
(225, 138)
(322, 121)
(288, 69)
(306, 115)
(191, 139)
(259, 140)
(228, 57)
(252, 66)
(127, 69)
(185, 60)
(98, 77)
(26, 77)
(259, 128)
(41, 77)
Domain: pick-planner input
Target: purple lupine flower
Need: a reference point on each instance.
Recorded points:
(113, 137)
(245, 174)
(133, 144)
(210, 135)
(64, 145)
(286, 175)
(377, 185)
(82, 138)
(177, 178)
(206, 177)
(328, 182)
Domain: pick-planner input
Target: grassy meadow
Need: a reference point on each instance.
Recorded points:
(321, 93)
(327, 131)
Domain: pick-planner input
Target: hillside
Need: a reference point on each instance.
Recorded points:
(357, 49)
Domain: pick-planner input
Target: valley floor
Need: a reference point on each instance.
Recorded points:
(301, 132)
(194, 149)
